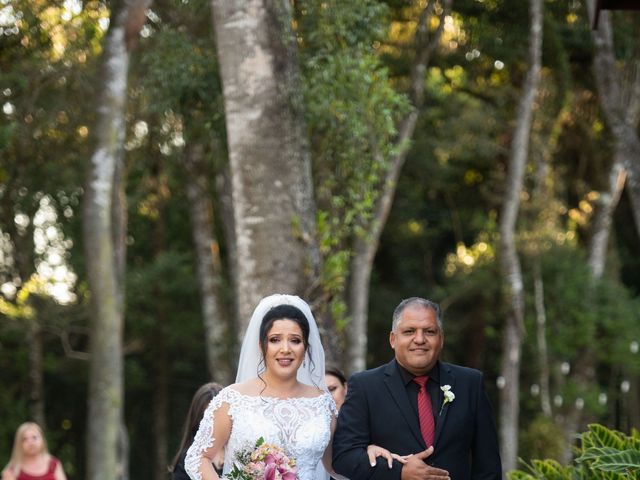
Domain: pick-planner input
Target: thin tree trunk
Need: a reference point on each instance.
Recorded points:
(541, 336)
(366, 246)
(216, 320)
(274, 211)
(513, 333)
(541, 197)
(103, 223)
(606, 205)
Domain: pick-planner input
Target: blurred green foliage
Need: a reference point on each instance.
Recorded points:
(603, 453)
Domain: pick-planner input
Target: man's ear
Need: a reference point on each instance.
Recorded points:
(392, 339)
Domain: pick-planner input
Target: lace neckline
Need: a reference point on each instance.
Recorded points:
(276, 399)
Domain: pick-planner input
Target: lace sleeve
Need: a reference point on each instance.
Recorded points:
(332, 405)
(204, 437)
(329, 405)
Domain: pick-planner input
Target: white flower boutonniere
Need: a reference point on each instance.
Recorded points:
(449, 396)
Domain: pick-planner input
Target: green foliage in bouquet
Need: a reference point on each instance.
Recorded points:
(603, 454)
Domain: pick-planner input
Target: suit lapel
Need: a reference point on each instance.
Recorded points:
(393, 381)
(446, 378)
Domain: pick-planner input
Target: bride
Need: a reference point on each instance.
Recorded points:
(279, 395)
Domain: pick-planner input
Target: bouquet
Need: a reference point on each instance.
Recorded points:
(265, 461)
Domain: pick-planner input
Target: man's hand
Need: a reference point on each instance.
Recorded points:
(374, 451)
(416, 469)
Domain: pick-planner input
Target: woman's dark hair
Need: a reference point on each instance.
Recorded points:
(199, 404)
(336, 372)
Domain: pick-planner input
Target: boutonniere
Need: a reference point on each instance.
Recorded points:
(449, 396)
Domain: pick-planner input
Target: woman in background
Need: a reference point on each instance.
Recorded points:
(336, 384)
(199, 404)
(30, 457)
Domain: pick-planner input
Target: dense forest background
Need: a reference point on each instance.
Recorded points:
(164, 165)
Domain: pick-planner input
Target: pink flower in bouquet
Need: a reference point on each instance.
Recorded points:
(277, 467)
(255, 469)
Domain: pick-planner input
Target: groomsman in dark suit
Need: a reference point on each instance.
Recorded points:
(433, 414)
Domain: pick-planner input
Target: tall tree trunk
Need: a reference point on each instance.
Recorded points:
(621, 104)
(366, 246)
(216, 320)
(104, 224)
(621, 109)
(274, 210)
(513, 333)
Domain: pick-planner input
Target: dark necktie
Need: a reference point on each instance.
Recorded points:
(425, 413)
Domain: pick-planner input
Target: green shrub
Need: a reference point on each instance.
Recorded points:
(603, 454)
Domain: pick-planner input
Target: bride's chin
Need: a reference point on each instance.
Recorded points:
(285, 370)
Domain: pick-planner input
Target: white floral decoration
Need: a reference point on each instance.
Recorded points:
(449, 396)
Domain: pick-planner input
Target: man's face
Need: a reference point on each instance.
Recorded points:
(417, 339)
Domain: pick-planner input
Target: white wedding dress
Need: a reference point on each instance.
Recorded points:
(301, 426)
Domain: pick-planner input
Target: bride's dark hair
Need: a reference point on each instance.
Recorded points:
(283, 312)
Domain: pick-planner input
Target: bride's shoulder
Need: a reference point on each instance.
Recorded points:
(311, 391)
(250, 388)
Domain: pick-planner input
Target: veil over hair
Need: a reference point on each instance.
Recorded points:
(250, 364)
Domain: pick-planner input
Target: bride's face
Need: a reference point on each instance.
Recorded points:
(285, 348)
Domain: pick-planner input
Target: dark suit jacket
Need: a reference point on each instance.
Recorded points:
(377, 411)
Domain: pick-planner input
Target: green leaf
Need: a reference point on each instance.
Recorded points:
(612, 460)
(605, 437)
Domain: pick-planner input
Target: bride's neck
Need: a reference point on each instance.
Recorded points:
(281, 387)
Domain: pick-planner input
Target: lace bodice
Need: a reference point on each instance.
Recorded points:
(301, 426)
